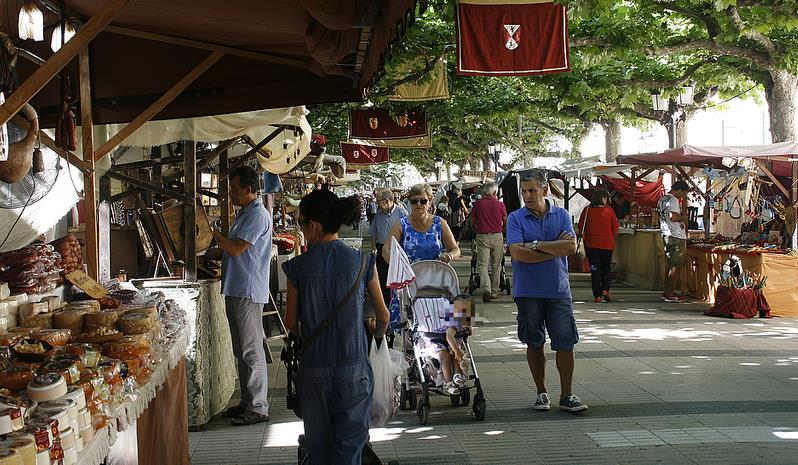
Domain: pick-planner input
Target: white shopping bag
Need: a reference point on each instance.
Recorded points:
(386, 379)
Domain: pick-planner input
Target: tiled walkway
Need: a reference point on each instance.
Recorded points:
(664, 384)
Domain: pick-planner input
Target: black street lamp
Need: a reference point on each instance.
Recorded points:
(438, 166)
(495, 151)
(674, 108)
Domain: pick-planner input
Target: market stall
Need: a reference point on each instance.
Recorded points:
(749, 197)
(78, 372)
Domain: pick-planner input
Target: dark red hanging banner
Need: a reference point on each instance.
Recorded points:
(364, 154)
(379, 123)
(511, 38)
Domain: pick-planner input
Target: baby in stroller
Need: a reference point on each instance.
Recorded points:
(442, 326)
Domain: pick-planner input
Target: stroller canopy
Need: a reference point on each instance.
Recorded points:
(434, 279)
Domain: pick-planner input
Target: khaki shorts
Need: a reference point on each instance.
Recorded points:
(675, 250)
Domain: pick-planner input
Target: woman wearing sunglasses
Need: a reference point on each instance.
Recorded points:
(423, 235)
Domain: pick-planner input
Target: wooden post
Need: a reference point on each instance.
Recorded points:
(636, 208)
(707, 210)
(190, 211)
(90, 200)
(224, 192)
(104, 229)
(46, 72)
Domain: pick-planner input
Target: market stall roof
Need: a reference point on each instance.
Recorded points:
(782, 155)
(274, 54)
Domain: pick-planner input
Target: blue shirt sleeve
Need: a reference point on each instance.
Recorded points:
(289, 269)
(373, 226)
(253, 226)
(515, 234)
(369, 272)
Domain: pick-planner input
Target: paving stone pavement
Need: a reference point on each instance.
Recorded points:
(664, 383)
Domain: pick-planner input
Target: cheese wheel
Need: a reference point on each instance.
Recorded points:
(6, 422)
(31, 309)
(87, 434)
(18, 298)
(53, 302)
(43, 457)
(5, 292)
(47, 386)
(10, 457)
(13, 320)
(98, 320)
(78, 396)
(70, 455)
(25, 447)
(39, 321)
(93, 304)
(61, 405)
(135, 322)
(6, 306)
(84, 419)
(15, 377)
(71, 319)
(78, 442)
(68, 437)
(56, 337)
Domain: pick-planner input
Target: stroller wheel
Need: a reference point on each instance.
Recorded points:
(465, 397)
(412, 398)
(455, 400)
(423, 413)
(479, 408)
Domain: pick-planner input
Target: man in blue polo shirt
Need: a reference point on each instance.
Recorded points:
(387, 214)
(540, 236)
(245, 285)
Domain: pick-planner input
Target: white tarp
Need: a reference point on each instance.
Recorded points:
(286, 150)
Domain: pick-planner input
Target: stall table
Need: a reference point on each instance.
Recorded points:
(640, 258)
(781, 291)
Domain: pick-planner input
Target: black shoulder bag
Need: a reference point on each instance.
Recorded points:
(296, 348)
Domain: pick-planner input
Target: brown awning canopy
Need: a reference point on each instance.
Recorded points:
(277, 53)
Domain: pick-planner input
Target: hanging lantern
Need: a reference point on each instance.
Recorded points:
(68, 33)
(31, 22)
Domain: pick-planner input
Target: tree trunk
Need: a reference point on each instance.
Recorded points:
(612, 140)
(681, 132)
(780, 94)
(487, 163)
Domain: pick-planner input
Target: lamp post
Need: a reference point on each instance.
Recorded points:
(438, 166)
(495, 151)
(674, 108)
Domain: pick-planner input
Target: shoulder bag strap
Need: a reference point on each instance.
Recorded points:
(326, 323)
(584, 223)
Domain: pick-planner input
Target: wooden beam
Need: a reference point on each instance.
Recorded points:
(225, 208)
(104, 229)
(761, 164)
(46, 72)
(50, 143)
(146, 163)
(208, 193)
(239, 161)
(158, 105)
(190, 211)
(257, 56)
(90, 200)
(687, 177)
(148, 186)
(223, 146)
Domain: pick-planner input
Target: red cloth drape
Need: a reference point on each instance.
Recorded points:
(739, 303)
(647, 193)
(364, 154)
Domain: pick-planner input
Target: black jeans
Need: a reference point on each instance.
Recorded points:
(382, 272)
(600, 269)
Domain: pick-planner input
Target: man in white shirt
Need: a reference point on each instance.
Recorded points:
(672, 220)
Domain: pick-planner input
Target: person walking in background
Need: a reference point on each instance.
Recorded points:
(458, 212)
(371, 208)
(540, 236)
(336, 381)
(245, 285)
(598, 226)
(443, 208)
(489, 218)
(672, 219)
(388, 213)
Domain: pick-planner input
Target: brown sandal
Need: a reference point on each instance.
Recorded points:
(249, 418)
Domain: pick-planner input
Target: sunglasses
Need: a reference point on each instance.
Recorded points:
(418, 201)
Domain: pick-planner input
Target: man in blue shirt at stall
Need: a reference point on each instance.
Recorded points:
(388, 213)
(245, 285)
(541, 236)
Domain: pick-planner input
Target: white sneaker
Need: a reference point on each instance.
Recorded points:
(450, 389)
(542, 403)
(459, 380)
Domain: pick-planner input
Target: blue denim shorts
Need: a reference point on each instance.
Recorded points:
(536, 316)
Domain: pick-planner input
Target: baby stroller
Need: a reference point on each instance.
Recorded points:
(435, 281)
(474, 281)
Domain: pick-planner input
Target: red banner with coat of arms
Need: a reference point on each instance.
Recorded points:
(364, 154)
(511, 38)
(379, 123)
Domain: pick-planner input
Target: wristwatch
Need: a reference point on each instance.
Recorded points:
(535, 245)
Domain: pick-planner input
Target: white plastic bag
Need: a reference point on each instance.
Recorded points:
(384, 401)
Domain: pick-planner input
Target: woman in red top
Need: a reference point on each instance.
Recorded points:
(597, 226)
